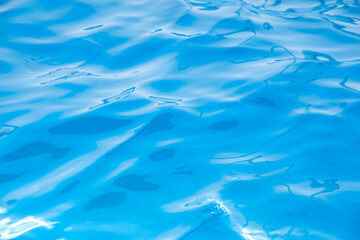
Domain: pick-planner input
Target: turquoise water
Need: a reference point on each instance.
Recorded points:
(180, 119)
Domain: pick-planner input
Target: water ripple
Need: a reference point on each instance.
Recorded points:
(184, 119)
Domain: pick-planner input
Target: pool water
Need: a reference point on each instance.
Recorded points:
(180, 119)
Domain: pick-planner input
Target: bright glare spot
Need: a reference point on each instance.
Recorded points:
(12, 230)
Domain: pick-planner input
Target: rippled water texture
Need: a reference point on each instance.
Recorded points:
(180, 119)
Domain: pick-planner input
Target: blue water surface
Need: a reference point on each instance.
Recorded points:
(180, 119)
